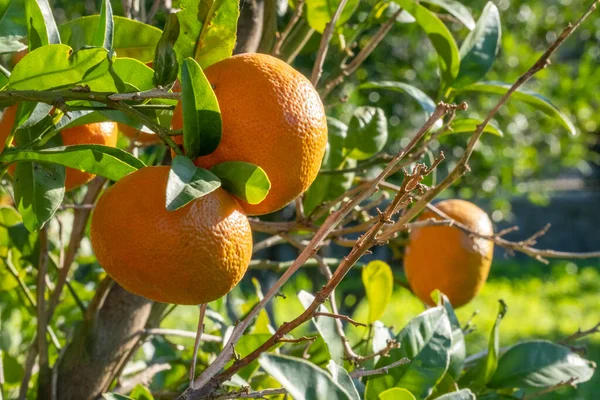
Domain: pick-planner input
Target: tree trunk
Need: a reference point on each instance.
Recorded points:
(250, 26)
(103, 343)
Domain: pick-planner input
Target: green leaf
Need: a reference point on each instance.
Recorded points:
(533, 99)
(458, 351)
(115, 396)
(538, 364)
(109, 162)
(457, 9)
(440, 37)
(218, 35)
(187, 183)
(244, 180)
(464, 394)
(326, 327)
(134, 73)
(469, 125)
(426, 103)
(132, 39)
(343, 378)
(39, 190)
(13, 370)
(165, 59)
(190, 26)
(320, 12)
(396, 394)
(478, 376)
(13, 25)
(479, 50)
(246, 345)
(302, 379)
(41, 27)
(56, 67)
(378, 280)
(105, 32)
(141, 392)
(367, 133)
(202, 123)
(426, 341)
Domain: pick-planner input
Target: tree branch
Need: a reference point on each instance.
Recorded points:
(379, 371)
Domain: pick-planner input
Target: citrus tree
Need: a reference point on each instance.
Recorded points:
(220, 149)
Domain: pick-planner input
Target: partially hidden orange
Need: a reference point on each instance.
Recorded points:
(104, 133)
(143, 136)
(193, 255)
(272, 117)
(447, 258)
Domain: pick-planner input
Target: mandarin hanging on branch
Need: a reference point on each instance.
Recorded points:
(447, 258)
(193, 255)
(104, 133)
(272, 117)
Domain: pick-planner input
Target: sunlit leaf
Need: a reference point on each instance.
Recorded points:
(343, 378)
(41, 27)
(320, 12)
(244, 180)
(367, 133)
(456, 9)
(378, 280)
(479, 50)
(426, 103)
(396, 394)
(104, 36)
(187, 183)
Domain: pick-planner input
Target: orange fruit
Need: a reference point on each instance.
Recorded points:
(448, 259)
(104, 133)
(18, 56)
(272, 117)
(192, 255)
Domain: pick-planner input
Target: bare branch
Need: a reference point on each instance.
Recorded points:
(580, 334)
(144, 377)
(192, 374)
(379, 371)
(570, 382)
(339, 316)
(288, 29)
(324, 46)
(247, 394)
(186, 334)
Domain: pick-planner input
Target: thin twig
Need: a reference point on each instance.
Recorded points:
(569, 382)
(580, 334)
(144, 377)
(379, 371)
(288, 29)
(42, 317)
(186, 334)
(339, 316)
(28, 369)
(349, 69)
(202, 308)
(247, 394)
(324, 46)
(297, 340)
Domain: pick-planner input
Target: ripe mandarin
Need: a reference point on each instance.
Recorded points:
(104, 133)
(272, 117)
(192, 255)
(447, 258)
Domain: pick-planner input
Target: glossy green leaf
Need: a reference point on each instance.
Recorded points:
(115, 396)
(302, 379)
(134, 73)
(165, 59)
(367, 133)
(378, 280)
(479, 50)
(396, 394)
(41, 27)
(456, 9)
(533, 99)
(426, 341)
(458, 351)
(187, 183)
(39, 190)
(132, 39)
(13, 25)
(218, 35)
(56, 67)
(244, 180)
(105, 32)
(320, 12)
(202, 123)
(141, 392)
(538, 364)
(343, 378)
(190, 26)
(469, 125)
(440, 37)
(326, 327)
(426, 103)
(109, 162)
(478, 376)
(464, 394)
